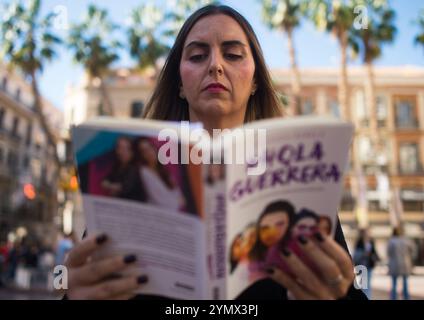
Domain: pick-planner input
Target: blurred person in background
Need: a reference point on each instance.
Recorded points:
(400, 252)
(366, 255)
(4, 252)
(15, 256)
(65, 244)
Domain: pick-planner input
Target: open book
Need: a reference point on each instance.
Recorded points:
(206, 216)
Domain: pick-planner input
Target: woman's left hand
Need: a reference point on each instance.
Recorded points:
(331, 280)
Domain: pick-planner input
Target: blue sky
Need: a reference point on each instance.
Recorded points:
(313, 47)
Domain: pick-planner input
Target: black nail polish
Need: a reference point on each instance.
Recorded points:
(302, 239)
(319, 237)
(270, 271)
(142, 279)
(286, 252)
(130, 258)
(100, 239)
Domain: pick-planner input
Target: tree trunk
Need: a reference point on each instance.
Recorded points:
(343, 83)
(294, 104)
(370, 99)
(51, 140)
(107, 102)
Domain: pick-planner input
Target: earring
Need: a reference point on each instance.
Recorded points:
(182, 95)
(254, 89)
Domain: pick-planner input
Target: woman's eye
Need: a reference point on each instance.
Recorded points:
(197, 57)
(233, 56)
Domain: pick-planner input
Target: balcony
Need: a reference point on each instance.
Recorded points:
(418, 171)
(410, 124)
(381, 123)
(371, 169)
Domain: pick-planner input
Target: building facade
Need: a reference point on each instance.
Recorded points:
(28, 187)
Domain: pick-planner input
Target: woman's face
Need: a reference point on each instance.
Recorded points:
(306, 226)
(273, 227)
(123, 151)
(247, 241)
(217, 68)
(324, 226)
(236, 251)
(147, 151)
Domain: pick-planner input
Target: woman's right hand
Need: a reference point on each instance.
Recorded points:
(88, 279)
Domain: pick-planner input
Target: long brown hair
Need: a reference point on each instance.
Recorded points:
(161, 170)
(165, 103)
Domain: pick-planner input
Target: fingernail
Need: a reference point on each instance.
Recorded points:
(302, 239)
(319, 237)
(130, 258)
(286, 252)
(270, 271)
(142, 279)
(101, 238)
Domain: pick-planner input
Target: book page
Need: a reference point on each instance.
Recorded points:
(298, 194)
(146, 208)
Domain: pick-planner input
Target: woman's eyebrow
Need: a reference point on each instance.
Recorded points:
(197, 44)
(227, 43)
(231, 43)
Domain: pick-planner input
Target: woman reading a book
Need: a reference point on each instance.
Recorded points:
(216, 74)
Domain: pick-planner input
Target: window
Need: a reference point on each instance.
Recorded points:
(362, 113)
(408, 158)
(100, 109)
(413, 199)
(29, 135)
(26, 162)
(15, 126)
(4, 83)
(364, 149)
(137, 109)
(2, 115)
(12, 161)
(18, 94)
(334, 108)
(405, 111)
(348, 201)
(381, 105)
(307, 107)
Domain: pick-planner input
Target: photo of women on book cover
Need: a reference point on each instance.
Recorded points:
(127, 167)
(259, 244)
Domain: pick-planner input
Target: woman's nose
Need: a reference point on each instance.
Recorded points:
(215, 66)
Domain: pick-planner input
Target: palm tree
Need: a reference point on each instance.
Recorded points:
(95, 47)
(285, 15)
(419, 39)
(179, 10)
(27, 43)
(147, 42)
(336, 17)
(368, 43)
